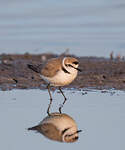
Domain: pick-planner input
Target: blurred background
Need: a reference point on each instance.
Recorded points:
(87, 28)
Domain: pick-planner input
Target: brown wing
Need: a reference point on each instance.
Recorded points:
(48, 130)
(52, 67)
(51, 132)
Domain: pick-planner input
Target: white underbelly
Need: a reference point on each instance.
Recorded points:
(60, 79)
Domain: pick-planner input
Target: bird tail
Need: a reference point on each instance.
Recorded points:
(32, 67)
(34, 128)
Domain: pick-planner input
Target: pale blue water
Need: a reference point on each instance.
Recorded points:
(87, 28)
(101, 116)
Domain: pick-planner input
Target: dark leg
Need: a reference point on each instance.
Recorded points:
(63, 101)
(48, 87)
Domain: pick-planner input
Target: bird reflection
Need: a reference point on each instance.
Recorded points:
(58, 127)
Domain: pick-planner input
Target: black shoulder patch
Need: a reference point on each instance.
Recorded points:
(65, 70)
(65, 130)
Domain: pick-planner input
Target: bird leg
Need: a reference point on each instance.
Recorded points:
(48, 87)
(63, 101)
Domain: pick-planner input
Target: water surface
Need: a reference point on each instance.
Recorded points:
(101, 116)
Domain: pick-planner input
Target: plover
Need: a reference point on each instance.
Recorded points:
(58, 72)
(58, 127)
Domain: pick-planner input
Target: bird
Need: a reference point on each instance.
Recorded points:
(58, 72)
(58, 127)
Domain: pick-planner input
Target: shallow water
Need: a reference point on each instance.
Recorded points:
(100, 114)
(86, 27)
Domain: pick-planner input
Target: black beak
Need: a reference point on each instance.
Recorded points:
(74, 133)
(79, 131)
(78, 69)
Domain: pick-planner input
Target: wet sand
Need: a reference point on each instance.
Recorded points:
(97, 72)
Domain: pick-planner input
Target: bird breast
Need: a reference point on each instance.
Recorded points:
(61, 78)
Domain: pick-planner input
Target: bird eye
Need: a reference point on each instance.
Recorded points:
(68, 65)
(76, 62)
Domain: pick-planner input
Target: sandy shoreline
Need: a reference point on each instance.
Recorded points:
(98, 73)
